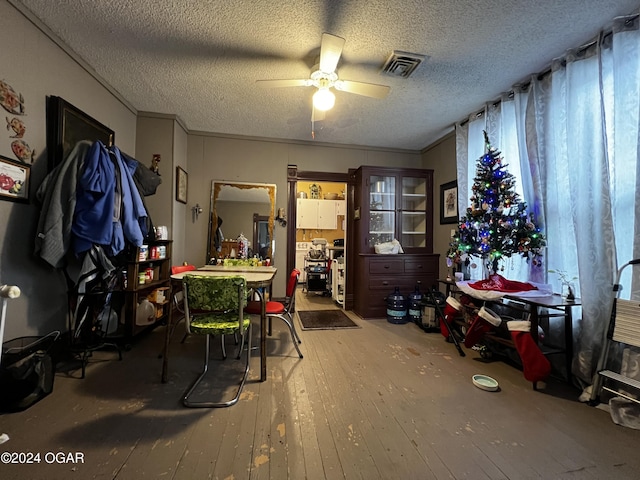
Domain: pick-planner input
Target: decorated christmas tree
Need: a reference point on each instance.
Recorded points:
(496, 225)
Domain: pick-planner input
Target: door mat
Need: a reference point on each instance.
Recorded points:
(325, 320)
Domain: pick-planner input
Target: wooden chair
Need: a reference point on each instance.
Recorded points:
(215, 306)
(283, 311)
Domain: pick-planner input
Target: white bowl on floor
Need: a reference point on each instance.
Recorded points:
(484, 382)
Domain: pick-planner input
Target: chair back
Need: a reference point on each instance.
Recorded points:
(293, 282)
(206, 295)
(182, 268)
(291, 290)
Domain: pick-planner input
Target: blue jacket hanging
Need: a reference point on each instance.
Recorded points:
(108, 205)
(134, 218)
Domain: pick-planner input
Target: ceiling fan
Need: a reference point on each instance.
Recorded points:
(324, 78)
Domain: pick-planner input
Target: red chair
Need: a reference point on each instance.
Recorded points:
(178, 299)
(283, 311)
(177, 296)
(182, 268)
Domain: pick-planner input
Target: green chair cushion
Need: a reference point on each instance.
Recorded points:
(218, 324)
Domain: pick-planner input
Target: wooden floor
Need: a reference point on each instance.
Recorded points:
(383, 401)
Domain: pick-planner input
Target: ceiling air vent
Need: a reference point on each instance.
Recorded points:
(402, 64)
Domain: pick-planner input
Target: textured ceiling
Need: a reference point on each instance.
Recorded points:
(200, 59)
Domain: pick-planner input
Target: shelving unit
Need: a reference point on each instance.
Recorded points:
(392, 203)
(140, 287)
(395, 203)
(317, 273)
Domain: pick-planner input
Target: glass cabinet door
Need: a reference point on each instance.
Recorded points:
(382, 209)
(414, 212)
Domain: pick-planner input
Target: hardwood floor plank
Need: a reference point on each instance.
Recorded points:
(309, 464)
(290, 430)
(320, 433)
(261, 441)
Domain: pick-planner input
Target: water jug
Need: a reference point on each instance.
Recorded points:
(397, 307)
(415, 305)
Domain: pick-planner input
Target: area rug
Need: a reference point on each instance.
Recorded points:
(325, 320)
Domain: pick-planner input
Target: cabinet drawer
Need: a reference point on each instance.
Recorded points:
(387, 284)
(420, 266)
(383, 266)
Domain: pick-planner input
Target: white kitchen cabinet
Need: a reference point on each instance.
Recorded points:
(316, 214)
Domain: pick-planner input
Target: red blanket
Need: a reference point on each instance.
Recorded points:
(500, 284)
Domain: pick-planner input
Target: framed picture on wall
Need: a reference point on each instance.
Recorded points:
(14, 180)
(68, 125)
(449, 202)
(181, 185)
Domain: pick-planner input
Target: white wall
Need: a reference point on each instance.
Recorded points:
(36, 67)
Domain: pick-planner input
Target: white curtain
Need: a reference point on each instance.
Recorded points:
(576, 106)
(576, 133)
(621, 59)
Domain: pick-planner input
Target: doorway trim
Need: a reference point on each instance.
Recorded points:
(293, 176)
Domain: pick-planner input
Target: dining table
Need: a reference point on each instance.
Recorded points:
(258, 278)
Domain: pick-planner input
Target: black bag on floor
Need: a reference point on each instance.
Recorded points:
(26, 373)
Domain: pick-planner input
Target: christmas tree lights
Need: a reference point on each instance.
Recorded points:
(496, 224)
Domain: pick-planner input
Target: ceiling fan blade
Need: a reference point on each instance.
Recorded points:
(330, 51)
(361, 88)
(283, 83)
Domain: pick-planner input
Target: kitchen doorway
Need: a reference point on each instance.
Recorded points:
(331, 191)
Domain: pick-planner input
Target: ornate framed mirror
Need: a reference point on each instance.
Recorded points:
(241, 208)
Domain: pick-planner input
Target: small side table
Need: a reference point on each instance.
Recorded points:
(563, 308)
(450, 287)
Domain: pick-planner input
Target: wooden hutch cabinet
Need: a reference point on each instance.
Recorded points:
(392, 203)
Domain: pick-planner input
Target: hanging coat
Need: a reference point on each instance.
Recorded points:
(57, 195)
(134, 213)
(108, 205)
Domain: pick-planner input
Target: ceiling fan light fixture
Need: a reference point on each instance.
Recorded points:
(324, 99)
